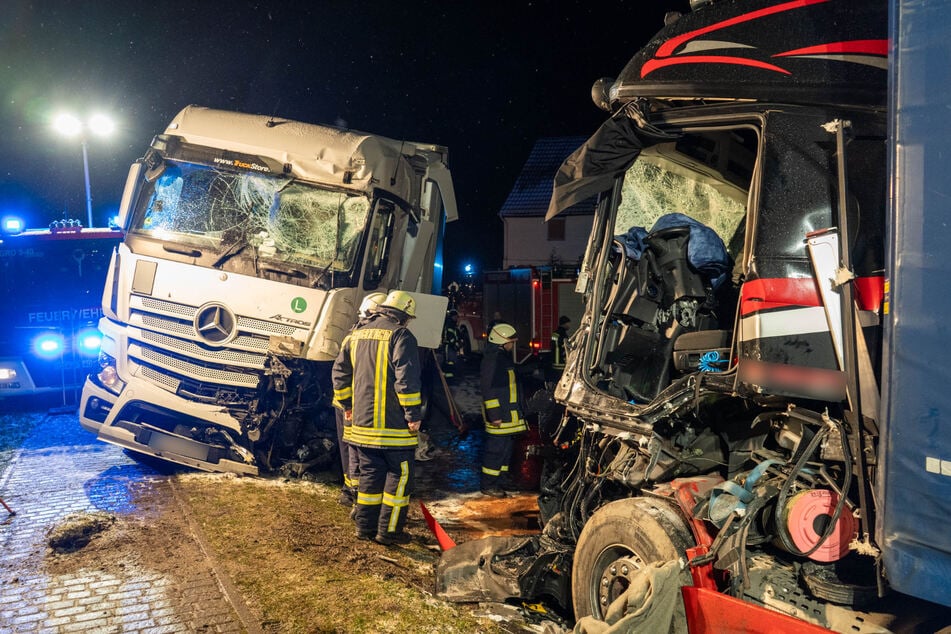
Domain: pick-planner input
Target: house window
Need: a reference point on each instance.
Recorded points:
(556, 230)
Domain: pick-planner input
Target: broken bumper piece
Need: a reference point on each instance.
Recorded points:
(504, 568)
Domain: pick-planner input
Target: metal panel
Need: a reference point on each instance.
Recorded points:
(915, 483)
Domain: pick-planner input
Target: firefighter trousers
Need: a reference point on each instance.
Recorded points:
(386, 482)
(349, 461)
(496, 457)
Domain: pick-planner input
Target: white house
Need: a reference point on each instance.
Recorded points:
(528, 239)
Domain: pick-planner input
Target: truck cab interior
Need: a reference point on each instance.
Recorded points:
(673, 268)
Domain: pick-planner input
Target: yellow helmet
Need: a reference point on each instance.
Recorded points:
(370, 303)
(401, 300)
(502, 333)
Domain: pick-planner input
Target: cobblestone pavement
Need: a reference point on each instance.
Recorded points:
(61, 470)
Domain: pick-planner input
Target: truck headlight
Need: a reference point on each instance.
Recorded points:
(108, 375)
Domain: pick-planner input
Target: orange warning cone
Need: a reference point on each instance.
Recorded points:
(445, 541)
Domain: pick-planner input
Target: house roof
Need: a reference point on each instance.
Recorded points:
(532, 191)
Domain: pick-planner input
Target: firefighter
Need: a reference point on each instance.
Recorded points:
(501, 409)
(452, 345)
(558, 338)
(496, 319)
(376, 379)
(348, 459)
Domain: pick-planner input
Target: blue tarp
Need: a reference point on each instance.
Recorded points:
(705, 249)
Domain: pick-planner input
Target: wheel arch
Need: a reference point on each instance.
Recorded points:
(640, 529)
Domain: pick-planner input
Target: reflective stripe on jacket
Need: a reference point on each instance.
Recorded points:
(501, 393)
(557, 350)
(377, 375)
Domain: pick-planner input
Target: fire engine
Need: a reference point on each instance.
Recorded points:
(532, 299)
(51, 280)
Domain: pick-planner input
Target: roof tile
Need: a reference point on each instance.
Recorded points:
(532, 191)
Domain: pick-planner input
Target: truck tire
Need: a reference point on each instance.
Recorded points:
(638, 531)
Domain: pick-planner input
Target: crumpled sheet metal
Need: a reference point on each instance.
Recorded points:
(465, 574)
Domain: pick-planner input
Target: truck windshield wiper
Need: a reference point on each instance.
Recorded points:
(287, 272)
(318, 280)
(174, 248)
(230, 252)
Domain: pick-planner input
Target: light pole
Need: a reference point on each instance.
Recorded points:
(71, 126)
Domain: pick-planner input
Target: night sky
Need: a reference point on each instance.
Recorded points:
(485, 79)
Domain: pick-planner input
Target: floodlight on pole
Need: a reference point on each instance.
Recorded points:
(71, 126)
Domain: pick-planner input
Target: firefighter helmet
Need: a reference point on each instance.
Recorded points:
(401, 300)
(370, 303)
(502, 333)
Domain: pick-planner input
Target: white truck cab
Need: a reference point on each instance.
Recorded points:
(250, 242)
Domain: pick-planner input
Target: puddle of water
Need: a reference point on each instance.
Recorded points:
(115, 489)
(474, 516)
(449, 483)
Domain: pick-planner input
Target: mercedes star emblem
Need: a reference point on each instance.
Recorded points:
(215, 324)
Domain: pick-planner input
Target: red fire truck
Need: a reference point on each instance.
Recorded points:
(532, 299)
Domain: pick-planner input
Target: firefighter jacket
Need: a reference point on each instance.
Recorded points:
(377, 376)
(501, 393)
(558, 338)
(452, 338)
(346, 424)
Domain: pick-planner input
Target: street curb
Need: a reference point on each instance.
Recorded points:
(230, 591)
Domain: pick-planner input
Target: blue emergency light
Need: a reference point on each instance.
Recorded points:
(88, 341)
(12, 225)
(48, 345)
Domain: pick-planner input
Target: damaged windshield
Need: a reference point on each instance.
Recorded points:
(227, 212)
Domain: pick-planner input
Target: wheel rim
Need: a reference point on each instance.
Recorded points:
(613, 571)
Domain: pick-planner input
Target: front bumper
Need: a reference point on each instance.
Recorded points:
(124, 420)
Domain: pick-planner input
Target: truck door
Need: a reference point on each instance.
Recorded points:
(784, 343)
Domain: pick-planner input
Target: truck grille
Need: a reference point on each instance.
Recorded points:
(159, 378)
(193, 370)
(193, 350)
(163, 344)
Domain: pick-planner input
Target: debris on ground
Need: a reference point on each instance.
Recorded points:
(76, 530)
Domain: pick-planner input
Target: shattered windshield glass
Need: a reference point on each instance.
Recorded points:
(279, 217)
(656, 185)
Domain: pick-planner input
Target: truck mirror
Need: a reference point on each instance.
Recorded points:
(600, 93)
(132, 182)
(155, 164)
(439, 174)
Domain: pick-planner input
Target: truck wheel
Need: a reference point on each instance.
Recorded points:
(619, 538)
